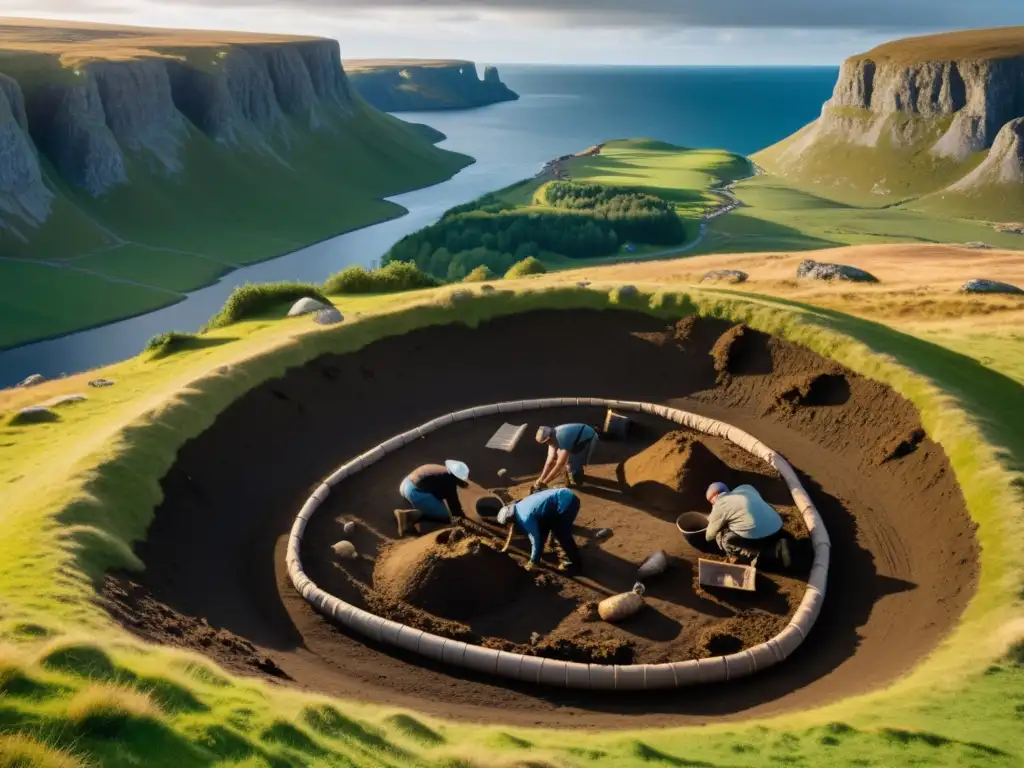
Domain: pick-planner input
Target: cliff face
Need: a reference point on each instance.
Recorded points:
(22, 192)
(410, 87)
(85, 119)
(910, 118)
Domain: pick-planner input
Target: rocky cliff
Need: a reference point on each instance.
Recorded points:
(910, 117)
(85, 119)
(412, 86)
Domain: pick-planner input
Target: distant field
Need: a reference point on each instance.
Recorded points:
(362, 65)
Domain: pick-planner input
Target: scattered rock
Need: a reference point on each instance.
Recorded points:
(725, 276)
(459, 295)
(603, 533)
(502, 472)
(977, 244)
(31, 381)
(306, 305)
(349, 528)
(345, 550)
(980, 285)
(487, 288)
(653, 565)
(33, 415)
(60, 400)
(328, 316)
(582, 283)
(223, 369)
(817, 270)
(98, 383)
(1012, 228)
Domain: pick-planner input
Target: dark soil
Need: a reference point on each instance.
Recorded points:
(904, 558)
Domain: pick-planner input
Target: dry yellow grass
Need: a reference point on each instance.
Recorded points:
(997, 43)
(78, 41)
(110, 701)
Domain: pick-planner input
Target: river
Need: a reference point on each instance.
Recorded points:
(561, 110)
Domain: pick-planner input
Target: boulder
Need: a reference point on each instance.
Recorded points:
(980, 285)
(98, 383)
(31, 381)
(328, 316)
(977, 245)
(725, 276)
(304, 306)
(817, 270)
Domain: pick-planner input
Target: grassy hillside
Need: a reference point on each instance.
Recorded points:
(77, 688)
(229, 205)
(997, 43)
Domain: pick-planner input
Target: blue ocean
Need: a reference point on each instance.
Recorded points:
(560, 110)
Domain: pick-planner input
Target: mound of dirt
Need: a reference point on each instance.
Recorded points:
(450, 574)
(741, 351)
(674, 473)
(898, 445)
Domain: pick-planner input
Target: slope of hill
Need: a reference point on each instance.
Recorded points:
(411, 85)
(912, 118)
(137, 164)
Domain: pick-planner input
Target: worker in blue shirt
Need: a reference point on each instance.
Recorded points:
(540, 514)
(570, 447)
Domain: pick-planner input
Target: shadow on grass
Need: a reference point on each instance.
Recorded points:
(173, 342)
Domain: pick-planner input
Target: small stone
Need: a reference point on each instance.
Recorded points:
(304, 306)
(31, 381)
(487, 288)
(349, 527)
(603, 533)
(980, 285)
(98, 383)
(328, 316)
(725, 276)
(817, 270)
(223, 369)
(502, 472)
(977, 244)
(345, 550)
(582, 283)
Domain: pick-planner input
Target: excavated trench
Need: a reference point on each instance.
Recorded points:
(904, 558)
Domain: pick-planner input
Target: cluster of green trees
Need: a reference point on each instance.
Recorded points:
(584, 221)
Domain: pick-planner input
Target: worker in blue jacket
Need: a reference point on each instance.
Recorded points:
(570, 447)
(540, 514)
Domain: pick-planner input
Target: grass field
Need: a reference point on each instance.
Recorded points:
(79, 490)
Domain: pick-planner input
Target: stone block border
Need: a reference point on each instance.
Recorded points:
(551, 671)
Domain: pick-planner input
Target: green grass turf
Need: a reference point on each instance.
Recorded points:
(778, 217)
(233, 205)
(174, 270)
(40, 300)
(78, 491)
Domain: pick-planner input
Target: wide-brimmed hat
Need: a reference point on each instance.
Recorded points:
(457, 468)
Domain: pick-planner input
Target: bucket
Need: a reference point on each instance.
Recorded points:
(693, 526)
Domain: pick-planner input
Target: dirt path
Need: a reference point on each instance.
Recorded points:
(904, 559)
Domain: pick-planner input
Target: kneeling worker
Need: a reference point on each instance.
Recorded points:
(427, 488)
(570, 447)
(744, 525)
(548, 512)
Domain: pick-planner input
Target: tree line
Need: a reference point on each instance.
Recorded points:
(582, 220)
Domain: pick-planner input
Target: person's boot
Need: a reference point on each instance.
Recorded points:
(406, 519)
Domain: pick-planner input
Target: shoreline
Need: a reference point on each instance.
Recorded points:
(402, 211)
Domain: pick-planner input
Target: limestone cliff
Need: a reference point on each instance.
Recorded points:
(85, 118)
(910, 117)
(412, 86)
(22, 192)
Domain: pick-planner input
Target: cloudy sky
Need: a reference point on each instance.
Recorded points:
(771, 32)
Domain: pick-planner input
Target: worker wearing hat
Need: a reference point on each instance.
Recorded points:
(744, 525)
(540, 514)
(427, 489)
(570, 447)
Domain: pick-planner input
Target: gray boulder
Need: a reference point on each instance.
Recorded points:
(98, 383)
(725, 276)
(304, 306)
(818, 270)
(328, 316)
(980, 285)
(31, 381)
(977, 245)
